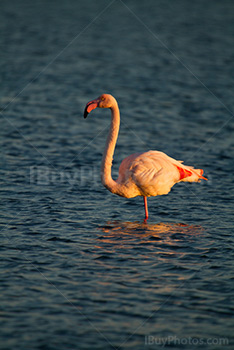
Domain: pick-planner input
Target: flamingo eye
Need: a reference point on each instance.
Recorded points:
(103, 98)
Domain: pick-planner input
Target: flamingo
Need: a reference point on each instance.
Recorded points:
(144, 174)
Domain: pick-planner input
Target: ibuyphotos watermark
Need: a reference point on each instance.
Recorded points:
(87, 175)
(82, 176)
(174, 340)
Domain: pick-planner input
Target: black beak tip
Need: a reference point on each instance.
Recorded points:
(86, 113)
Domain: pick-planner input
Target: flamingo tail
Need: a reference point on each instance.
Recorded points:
(189, 174)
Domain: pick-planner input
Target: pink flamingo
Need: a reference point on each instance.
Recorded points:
(145, 174)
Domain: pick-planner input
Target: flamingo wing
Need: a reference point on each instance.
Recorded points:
(153, 173)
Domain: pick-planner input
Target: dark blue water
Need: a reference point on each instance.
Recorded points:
(80, 269)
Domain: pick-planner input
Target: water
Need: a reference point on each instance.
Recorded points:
(80, 269)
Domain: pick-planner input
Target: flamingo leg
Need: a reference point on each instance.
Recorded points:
(146, 208)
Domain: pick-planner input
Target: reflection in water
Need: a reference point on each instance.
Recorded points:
(159, 231)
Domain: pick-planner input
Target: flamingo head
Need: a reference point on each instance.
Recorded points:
(103, 101)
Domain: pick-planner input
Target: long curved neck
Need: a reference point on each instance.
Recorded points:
(107, 158)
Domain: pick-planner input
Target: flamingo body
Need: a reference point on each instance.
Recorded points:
(153, 173)
(144, 174)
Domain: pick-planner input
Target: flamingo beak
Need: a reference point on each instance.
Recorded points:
(90, 106)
